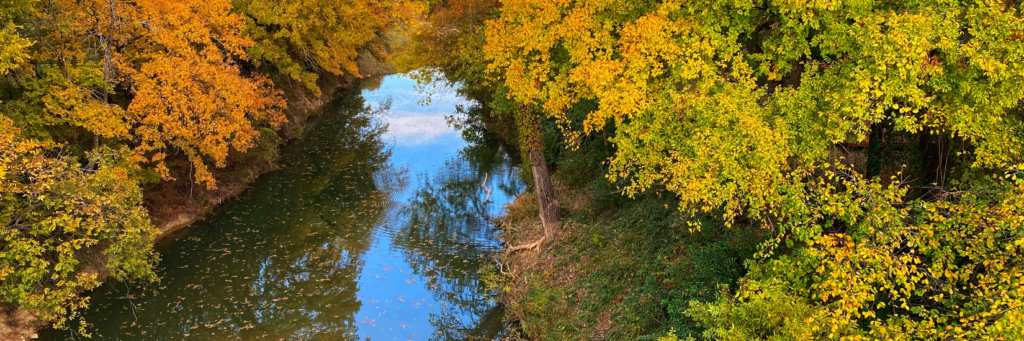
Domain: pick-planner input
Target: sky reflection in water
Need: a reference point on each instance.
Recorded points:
(363, 234)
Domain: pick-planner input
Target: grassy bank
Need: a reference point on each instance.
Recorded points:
(618, 269)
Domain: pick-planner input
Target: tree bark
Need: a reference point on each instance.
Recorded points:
(549, 211)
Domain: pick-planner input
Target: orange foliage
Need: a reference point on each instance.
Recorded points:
(176, 60)
(189, 91)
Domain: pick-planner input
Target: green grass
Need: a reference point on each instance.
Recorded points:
(620, 269)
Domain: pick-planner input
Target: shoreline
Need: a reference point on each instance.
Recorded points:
(173, 207)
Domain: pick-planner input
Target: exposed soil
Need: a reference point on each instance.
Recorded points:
(18, 324)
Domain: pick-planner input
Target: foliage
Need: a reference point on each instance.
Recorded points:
(743, 108)
(12, 48)
(301, 39)
(173, 66)
(774, 315)
(878, 267)
(450, 42)
(191, 94)
(719, 101)
(52, 212)
(671, 336)
(98, 95)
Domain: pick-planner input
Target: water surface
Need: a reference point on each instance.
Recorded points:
(366, 232)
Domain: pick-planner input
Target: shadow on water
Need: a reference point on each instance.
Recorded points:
(358, 236)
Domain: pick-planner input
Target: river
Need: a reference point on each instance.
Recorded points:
(365, 232)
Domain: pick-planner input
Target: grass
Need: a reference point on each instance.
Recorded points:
(619, 268)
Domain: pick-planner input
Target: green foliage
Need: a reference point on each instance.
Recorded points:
(769, 313)
(53, 211)
(623, 270)
(671, 336)
(301, 39)
(743, 109)
(62, 97)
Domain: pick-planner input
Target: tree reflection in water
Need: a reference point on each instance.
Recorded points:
(300, 255)
(281, 262)
(447, 232)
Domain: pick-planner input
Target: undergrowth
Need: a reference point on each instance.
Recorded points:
(619, 268)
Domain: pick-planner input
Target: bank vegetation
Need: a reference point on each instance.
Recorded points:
(743, 170)
(123, 120)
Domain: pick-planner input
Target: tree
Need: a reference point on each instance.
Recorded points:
(189, 92)
(78, 65)
(698, 88)
(14, 46)
(868, 264)
(52, 211)
(302, 39)
(530, 135)
(450, 41)
(158, 74)
(739, 108)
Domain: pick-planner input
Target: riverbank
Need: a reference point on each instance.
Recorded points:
(617, 269)
(362, 231)
(175, 205)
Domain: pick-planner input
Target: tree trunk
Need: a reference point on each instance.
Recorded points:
(532, 140)
(108, 75)
(549, 212)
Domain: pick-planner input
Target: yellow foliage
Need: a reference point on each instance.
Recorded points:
(52, 211)
(880, 267)
(12, 48)
(179, 63)
(735, 106)
(189, 91)
(721, 120)
(303, 38)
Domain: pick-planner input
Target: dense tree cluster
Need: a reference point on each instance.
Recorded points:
(878, 144)
(96, 94)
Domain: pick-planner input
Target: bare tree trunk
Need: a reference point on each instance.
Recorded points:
(549, 211)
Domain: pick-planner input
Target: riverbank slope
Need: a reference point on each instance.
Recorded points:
(618, 268)
(175, 205)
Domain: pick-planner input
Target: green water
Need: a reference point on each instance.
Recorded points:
(364, 233)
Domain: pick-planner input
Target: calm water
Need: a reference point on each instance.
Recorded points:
(365, 233)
